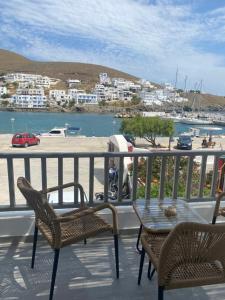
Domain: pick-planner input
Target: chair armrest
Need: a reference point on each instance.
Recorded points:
(88, 211)
(64, 186)
(217, 212)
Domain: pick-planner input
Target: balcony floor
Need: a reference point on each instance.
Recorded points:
(85, 272)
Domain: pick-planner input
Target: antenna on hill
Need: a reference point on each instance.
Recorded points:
(175, 85)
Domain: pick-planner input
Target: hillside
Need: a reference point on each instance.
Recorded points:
(88, 73)
(205, 100)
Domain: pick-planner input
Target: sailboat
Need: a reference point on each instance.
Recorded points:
(195, 119)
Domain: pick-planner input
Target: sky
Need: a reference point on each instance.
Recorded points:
(150, 39)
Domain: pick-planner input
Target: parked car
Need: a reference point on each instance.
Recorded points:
(130, 138)
(25, 139)
(184, 142)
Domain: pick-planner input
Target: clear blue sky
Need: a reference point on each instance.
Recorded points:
(146, 38)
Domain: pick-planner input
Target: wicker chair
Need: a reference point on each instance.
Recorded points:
(68, 228)
(218, 211)
(192, 255)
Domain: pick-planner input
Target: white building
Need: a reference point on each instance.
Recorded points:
(43, 81)
(30, 79)
(168, 86)
(86, 98)
(124, 95)
(26, 84)
(73, 82)
(100, 91)
(73, 93)
(57, 93)
(3, 90)
(11, 77)
(104, 79)
(29, 101)
(147, 84)
(28, 91)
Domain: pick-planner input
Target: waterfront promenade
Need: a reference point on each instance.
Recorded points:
(68, 144)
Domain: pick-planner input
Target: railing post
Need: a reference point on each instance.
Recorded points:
(60, 179)
(120, 179)
(215, 176)
(148, 178)
(176, 177)
(202, 176)
(43, 173)
(76, 178)
(135, 178)
(106, 178)
(27, 168)
(189, 178)
(11, 182)
(91, 180)
(162, 178)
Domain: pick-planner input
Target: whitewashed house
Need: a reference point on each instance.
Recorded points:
(30, 91)
(104, 78)
(73, 82)
(3, 90)
(53, 94)
(86, 98)
(29, 101)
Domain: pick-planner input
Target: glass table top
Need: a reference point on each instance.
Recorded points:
(151, 213)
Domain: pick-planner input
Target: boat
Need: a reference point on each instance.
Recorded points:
(219, 121)
(55, 132)
(195, 121)
(193, 132)
(73, 130)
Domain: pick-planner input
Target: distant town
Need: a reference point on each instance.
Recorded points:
(32, 91)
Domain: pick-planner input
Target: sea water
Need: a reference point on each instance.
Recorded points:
(91, 124)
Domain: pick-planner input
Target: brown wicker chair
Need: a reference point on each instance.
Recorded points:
(192, 255)
(218, 211)
(68, 228)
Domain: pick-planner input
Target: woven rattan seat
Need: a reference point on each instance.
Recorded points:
(68, 228)
(191, 255)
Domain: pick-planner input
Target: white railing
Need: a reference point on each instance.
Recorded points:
(9, 172)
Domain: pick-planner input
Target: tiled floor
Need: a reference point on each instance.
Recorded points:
(85, 272)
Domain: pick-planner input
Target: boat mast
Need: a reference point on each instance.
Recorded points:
(175, 89)
(185, 91)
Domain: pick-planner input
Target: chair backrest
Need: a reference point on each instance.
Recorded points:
(39, 203)
(191, 243)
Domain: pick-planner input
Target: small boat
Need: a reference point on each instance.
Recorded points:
(193, 132)
(55, 132)
(73, 130)
(195, 121)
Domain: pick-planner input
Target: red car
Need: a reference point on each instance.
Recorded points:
(25, 139)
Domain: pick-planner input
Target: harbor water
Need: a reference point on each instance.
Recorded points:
(91, 124)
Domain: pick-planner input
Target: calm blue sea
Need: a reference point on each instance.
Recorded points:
(90, 124)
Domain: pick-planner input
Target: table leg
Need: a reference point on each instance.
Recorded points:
(138, 239)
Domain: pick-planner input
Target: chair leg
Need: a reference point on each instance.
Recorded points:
(160, 292)
(152, 273)
(149, 269)
(214, 220)
(141, 265)
(85, 241)
(34, 246)
(54, 271)
(116, 254)
(138, 239)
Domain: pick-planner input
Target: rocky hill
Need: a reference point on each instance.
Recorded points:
(87, 73)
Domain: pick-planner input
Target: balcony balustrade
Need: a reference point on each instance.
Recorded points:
(41, 168)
